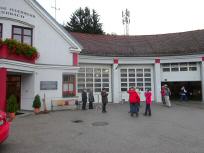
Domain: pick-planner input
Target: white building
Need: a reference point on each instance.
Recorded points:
(146, 62)
(114, 62)
(53, 74)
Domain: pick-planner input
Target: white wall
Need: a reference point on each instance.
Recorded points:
(27, 91)
(52, 44)
(53, 48)
(181, 76)
(50, 75)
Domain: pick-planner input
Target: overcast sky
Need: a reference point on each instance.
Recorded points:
(146, 16)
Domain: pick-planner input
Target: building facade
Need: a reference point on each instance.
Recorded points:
(145, 62)
(70, 62)
(53, 74)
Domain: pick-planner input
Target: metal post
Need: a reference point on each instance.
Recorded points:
(56, 9)
(126, 21)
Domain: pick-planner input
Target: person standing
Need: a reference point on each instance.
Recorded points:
(84, 99)
(130, 98)
(183, 94)
(163, 94)
(137, 103)
(134, 101)
(138, 92)
(91, 99)
(167, 95)
(104, 96)
(148, 97)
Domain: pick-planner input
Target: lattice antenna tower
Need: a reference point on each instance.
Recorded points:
(56, 9)
(126, 21)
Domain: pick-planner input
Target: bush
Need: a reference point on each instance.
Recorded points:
(37, 102)
(11, 43)
(18, 48)
(12, 105)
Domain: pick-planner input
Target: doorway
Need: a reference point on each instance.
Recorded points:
(193, 89)
(14, 87)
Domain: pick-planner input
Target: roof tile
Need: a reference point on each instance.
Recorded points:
(191, 42)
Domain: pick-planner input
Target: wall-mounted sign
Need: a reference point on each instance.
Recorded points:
(6, 11)
(48, 85)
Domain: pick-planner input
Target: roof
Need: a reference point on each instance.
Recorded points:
(172, 44)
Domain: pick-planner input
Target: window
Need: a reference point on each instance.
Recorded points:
(105, 73)
(69, 87)
(166, 67)
(22, 34)
(183, 66)
(82, 79)
(192, 66)
(1, 30)
(123, 79)
(147, 70)
(174, 67)
(131, 79)
(123, 72)
(131, 72)
(90, 80)
(140, 78)
(94, 78)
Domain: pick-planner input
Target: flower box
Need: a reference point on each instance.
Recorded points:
(6, 54)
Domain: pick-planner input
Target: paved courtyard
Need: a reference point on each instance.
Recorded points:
(179, 129)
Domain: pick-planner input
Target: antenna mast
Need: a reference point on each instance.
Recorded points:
(126, 21)
(56, 9)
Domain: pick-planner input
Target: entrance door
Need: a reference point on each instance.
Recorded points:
(14, 87)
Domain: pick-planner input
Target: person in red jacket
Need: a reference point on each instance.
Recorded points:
(148, 97)
(134, 100)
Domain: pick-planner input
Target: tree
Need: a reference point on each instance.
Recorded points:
(37, 102)
(84, 21)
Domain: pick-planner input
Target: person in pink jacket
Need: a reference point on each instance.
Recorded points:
(163, 93)
(148, 97)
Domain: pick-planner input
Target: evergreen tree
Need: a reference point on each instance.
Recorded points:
(97, 27)
(84, 21)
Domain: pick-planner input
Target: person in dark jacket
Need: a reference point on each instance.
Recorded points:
(104, 96)
(84, 99)
(91, 99)
(183, 94)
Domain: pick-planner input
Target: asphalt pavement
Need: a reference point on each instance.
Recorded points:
(179, 129)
